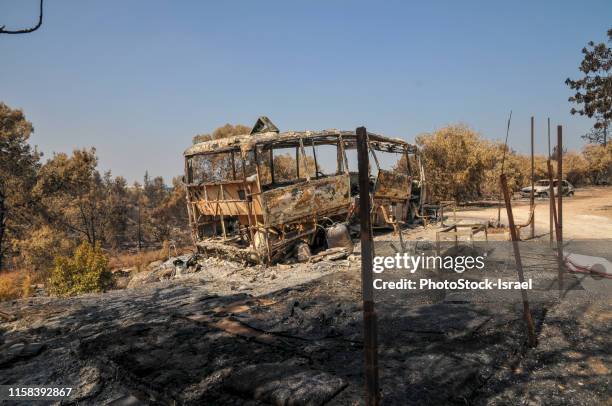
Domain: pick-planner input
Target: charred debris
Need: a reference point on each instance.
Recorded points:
(269, 195)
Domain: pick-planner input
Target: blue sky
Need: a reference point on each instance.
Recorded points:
(136, 79)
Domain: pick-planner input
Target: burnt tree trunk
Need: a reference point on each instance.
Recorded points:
(2, 227)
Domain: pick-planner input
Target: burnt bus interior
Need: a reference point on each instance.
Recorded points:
(267, 190)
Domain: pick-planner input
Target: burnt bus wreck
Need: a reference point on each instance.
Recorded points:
(261, 195)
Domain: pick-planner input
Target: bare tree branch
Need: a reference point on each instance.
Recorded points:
(27, 30)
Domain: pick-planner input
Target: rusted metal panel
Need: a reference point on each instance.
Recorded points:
(233, 201)
(247, 142)
(392, 185)
(306, 200)
(213, 208)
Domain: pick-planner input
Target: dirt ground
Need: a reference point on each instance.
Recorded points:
(586, 215)
(292, 335)
(220, 333)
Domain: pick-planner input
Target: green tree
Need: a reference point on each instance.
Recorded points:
(594, 91)
(18, 166)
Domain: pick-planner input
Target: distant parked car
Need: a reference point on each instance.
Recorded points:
(542, 188)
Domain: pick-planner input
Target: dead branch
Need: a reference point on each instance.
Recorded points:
(27, 30)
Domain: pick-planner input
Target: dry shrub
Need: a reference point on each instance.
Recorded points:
(140, 260)
(460, 165)
(455, 158)
(15, 285)
(39, 249)
(599, 168)
(85, 271)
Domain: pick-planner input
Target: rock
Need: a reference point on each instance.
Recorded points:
(185, 260)
(338, 236)
(7, 316)
(121, 282)
(25, 349)
(302, 252)
(20, 351)
(32, 349)
(15, 348)
(164, 273)
(154, 265)
(285, 384)
(123, 272)
(330, 254)
(90, 383)
(126, 400)
(142, 278)
(121, 277)
(6, 359)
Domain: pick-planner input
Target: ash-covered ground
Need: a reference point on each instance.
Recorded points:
(216, 332)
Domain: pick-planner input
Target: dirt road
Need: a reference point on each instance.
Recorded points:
(587, 215)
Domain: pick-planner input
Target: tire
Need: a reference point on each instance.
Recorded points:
(570, 194)
(543, 195)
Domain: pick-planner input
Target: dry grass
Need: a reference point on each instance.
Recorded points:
(15, 285)
(140, 260)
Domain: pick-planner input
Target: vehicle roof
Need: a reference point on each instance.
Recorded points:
(546, 180)
(247, 142)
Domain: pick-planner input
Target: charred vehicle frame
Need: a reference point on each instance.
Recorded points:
(257, 195)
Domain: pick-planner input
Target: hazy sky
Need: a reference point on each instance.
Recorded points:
(137, 79)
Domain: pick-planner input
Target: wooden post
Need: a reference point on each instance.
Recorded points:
(557, 231)
(553, 211)
(519, 264)
(560, 180)
(370, 341)
(551, 201)
(532, 200)
(560, 202)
